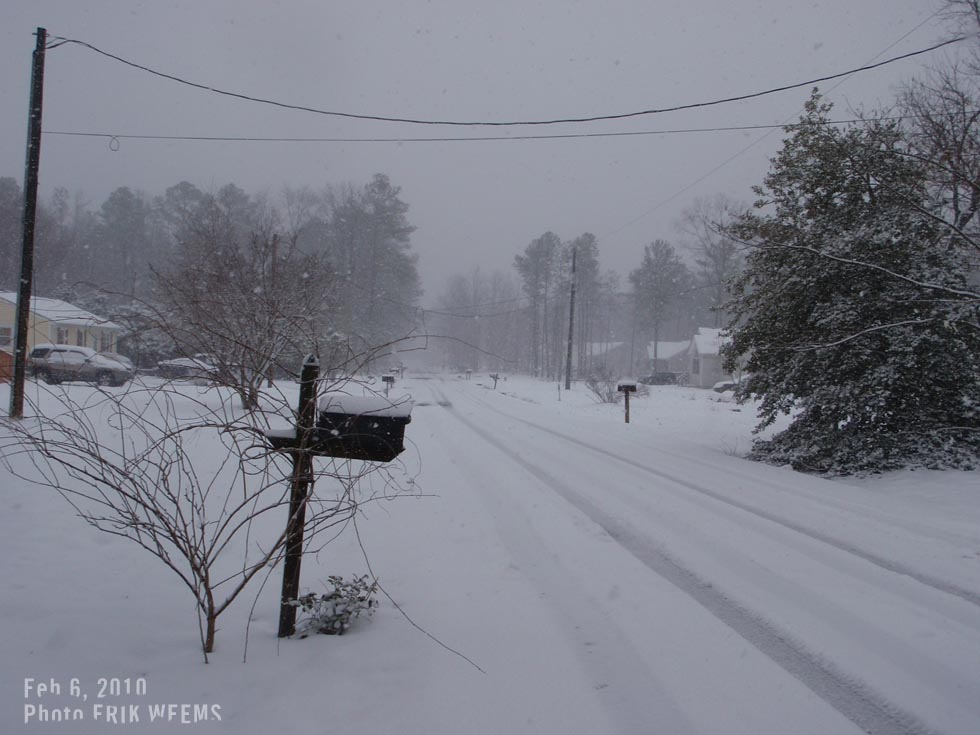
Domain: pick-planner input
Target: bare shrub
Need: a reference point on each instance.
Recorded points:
(602, 383)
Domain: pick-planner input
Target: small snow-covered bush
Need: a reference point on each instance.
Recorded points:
(605, 386)
(332, 613)
(602, 384)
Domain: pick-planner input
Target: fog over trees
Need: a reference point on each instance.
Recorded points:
(193, 271)
(168, 265)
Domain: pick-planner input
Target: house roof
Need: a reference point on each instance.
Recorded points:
(709, 341)
(667, 350)
(61, 312)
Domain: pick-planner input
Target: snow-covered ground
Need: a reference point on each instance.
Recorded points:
(555, 571)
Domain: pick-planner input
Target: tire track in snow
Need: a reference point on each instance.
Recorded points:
(882, 562)
(854, 699)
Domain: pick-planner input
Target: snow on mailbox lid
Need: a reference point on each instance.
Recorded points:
(342, 403)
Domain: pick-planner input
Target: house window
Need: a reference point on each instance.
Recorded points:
(79, 338)
(6, 336)
(62, 338)
(105, 342)
(695, 365)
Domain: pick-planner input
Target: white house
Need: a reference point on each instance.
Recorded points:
(52, 320)
(704, 358)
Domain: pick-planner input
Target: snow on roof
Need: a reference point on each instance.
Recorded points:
(709, 341)
(61, 312)
(336, 402)
(667, 350)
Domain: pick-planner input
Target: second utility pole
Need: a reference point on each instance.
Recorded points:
(571, 327)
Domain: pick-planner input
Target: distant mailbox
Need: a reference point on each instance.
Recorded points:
(626, 387)
(353, 427)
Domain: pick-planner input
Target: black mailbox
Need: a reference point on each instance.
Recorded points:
(389, 380)
(626, 387)
(352, 427)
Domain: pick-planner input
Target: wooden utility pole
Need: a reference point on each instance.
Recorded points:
(299, 490)
(571, 327)
(24, 288)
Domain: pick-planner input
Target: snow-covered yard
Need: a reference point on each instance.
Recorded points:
(555, 570)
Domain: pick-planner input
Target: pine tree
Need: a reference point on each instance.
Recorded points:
(846, 313)
(660, 286)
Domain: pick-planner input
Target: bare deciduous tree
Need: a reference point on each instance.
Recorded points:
(716, 255)
(253, 309)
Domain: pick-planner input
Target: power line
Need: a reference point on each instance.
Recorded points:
(462, 139)
(60, 41)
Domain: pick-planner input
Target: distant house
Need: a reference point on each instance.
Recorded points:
(704, 358)
(59, 322)
(668, 357)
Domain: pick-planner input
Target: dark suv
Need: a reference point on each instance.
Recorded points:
(660, 379)
(57, 363)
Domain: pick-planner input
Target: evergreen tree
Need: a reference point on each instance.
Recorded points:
(538, 268)
(661, 286)
(846, 314)
(588, 285)
(366, 235)
(125, 240)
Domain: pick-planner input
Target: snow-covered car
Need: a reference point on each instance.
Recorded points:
(731, 384)
(121, 359)
(198, 367)
(59, 363)
(659, 379)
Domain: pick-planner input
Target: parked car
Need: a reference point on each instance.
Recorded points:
(660, 379)
(723, 386)
(198, 367)
(58, 363)
(121, 359)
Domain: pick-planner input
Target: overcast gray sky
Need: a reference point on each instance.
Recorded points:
(474, 203)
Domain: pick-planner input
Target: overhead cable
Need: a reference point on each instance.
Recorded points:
(462, 139)
(60, 41)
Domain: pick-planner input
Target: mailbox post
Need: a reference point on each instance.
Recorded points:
(389, 380)
(626, 387)
(299, 489)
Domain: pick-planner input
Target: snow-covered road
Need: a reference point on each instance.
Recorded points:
(672, 574)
